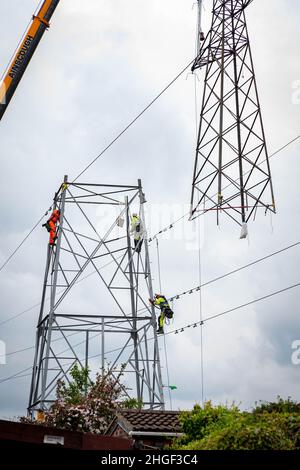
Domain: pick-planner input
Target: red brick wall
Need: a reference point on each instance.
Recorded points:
(27, 434)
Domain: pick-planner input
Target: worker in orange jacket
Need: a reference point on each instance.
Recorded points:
(51, 225)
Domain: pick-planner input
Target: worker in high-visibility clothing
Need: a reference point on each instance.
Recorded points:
(51, 226)
(137, 231)
(161, 302)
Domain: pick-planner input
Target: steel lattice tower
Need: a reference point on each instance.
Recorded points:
(107, 324)
(232, 171)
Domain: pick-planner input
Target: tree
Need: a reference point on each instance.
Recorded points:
(74, 393)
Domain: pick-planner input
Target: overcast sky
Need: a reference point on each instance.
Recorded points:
(99, 65)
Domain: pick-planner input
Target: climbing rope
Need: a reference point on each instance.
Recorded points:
(165, 344)
(201, 314)
(199, 241)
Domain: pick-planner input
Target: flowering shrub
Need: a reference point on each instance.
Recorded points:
(83, 405)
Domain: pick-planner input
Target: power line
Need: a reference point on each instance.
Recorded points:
(201, 322)
(17, 352)
(17, 315)
(20, 377)
(13, 317)
(187, 214)
(15, 375)
(21, 244)
(32, 347)
(102, 152)
(205, 284)
(284, 146)
(170, 226)
(226, 312)
(194, 325)
(172, 298)
(189, 291)
(281, 291)
(196, 289)
(182, 329)
(134, 120)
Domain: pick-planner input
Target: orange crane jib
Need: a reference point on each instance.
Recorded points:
(21, 59)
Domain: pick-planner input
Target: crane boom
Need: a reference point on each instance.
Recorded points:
(25, 51)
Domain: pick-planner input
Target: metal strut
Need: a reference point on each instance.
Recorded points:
(107, 317)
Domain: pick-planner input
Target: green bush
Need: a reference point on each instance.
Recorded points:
(202, 421)
(244, 435)
(270, 426)
(281, 406)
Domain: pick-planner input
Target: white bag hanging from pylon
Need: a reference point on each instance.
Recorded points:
(120, 222)
(244, 232)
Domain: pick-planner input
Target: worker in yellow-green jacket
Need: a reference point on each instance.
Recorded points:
(137, 231)
(161, 302)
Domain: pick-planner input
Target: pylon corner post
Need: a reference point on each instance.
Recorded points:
(94, 309)
(231, 171)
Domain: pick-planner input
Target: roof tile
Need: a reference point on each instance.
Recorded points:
(150, 421)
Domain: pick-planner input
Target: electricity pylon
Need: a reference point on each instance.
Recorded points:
(94, 309)
(232, 172)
